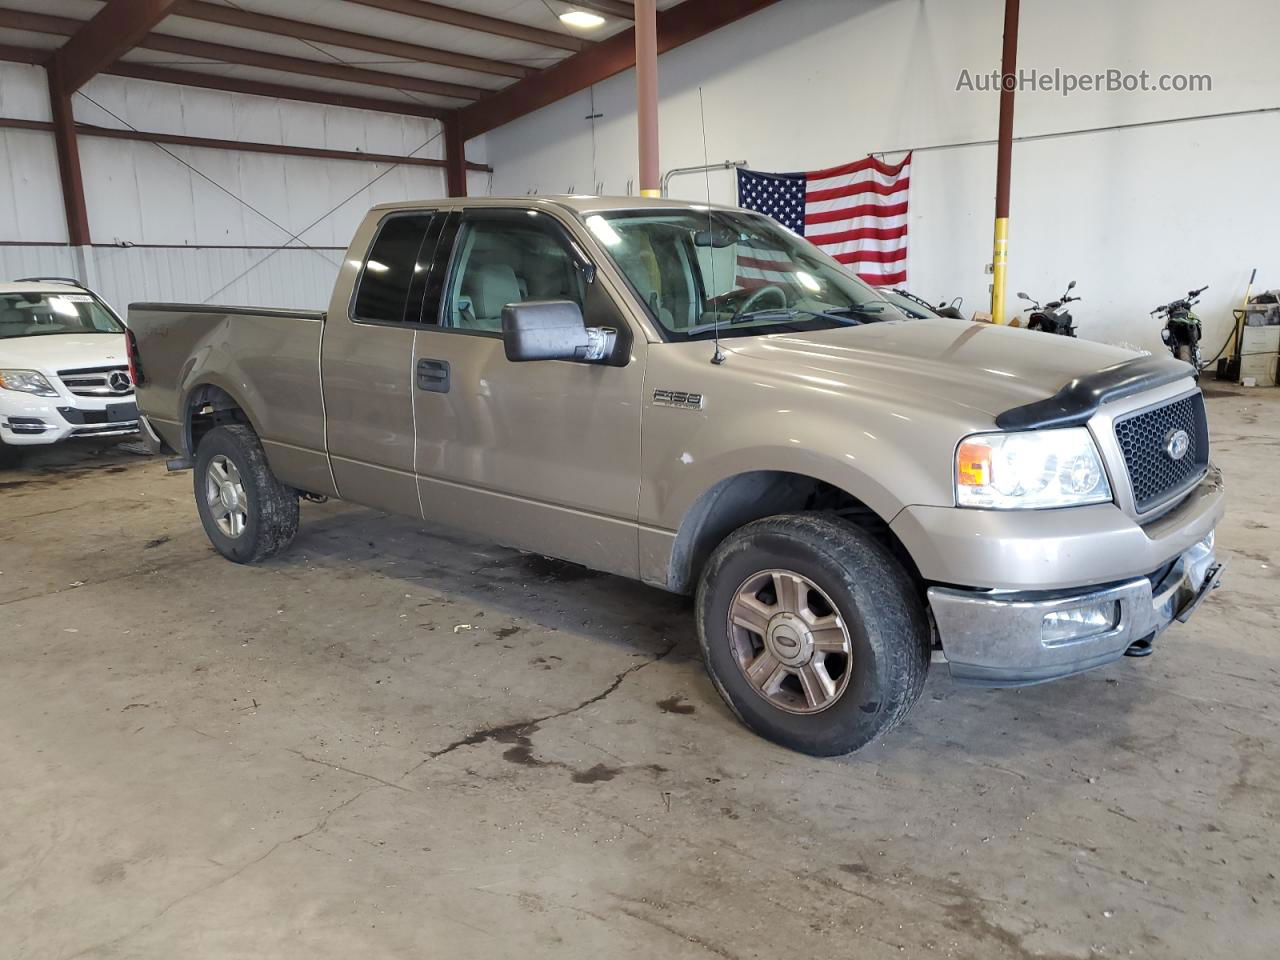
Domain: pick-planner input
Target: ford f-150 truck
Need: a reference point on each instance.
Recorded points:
(698, 398)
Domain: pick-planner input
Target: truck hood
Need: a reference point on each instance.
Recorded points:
(52, 352)
(953, 363)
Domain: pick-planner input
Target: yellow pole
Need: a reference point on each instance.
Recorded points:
(1004, 159)
(999, 264)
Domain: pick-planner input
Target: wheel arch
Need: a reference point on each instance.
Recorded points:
(740, 498)
(209, 404)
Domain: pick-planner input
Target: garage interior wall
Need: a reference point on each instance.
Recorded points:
(1136, 215)
(162, 231)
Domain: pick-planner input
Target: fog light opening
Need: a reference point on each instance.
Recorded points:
(1080, 623)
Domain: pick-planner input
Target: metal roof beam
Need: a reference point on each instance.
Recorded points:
(100, 42)
(241, 146)
(46, 23)
(15, 54)
(283, 27)
(257, 88)
(312, 68)
(612, 8)
(438, 13)
(676, 26)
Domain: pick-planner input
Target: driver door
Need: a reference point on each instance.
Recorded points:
(543, 455)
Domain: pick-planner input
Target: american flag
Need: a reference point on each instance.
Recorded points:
(856, 213)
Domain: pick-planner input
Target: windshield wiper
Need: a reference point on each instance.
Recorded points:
(790, 313)
(781, 315)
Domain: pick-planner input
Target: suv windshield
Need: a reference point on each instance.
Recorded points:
(42, 314)
(692, 269)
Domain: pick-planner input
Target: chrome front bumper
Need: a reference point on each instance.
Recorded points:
(997, 639)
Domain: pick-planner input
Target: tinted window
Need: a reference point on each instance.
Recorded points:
(401, 254)
(501, 262)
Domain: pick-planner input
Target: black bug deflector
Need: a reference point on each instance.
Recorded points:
(1079, 400)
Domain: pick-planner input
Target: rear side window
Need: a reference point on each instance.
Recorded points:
(394, 277)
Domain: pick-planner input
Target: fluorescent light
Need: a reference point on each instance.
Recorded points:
(581, 19)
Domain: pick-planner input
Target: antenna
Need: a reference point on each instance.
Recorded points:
(717, 357)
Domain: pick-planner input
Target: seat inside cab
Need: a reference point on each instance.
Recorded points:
(504, 263)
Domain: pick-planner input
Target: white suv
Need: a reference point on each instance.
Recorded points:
(63, 365)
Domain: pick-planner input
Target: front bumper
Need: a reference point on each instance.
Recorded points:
(28, 420)
(997, 639)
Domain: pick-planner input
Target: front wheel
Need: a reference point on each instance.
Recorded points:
(813, 633)
(247, 513)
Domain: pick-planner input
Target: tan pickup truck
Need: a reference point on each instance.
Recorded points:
(698, 398)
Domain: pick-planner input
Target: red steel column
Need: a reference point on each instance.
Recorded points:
(647, 95)
(64, 140)
(455, 157)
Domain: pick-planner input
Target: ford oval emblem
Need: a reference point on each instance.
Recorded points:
(1177, 443)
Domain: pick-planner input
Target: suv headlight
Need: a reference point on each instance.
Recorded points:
(1035, 469)
(26, 381)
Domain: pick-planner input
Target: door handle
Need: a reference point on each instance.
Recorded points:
(433, 376)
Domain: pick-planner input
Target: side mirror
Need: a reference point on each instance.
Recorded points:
(551, 330)
(1022, 296)
(1071, 285)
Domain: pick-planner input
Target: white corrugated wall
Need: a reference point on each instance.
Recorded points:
(194, 224)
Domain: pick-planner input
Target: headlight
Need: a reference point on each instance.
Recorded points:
(1038, 468)
(26, 381)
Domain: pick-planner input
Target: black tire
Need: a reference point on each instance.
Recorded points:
(271, 508)
(878, 601)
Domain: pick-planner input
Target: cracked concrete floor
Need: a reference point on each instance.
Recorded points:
(390, 743)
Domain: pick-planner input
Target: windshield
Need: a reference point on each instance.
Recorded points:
(745, 271)
(44, 314)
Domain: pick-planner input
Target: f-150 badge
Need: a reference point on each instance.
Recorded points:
(678, 399)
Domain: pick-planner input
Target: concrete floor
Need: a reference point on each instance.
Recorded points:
(390, 743)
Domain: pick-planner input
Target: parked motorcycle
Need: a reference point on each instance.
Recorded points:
(950, 308)
(915, 306)
(1052, 317)
(1181, 333)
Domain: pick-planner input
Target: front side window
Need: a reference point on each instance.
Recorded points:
(506, 261)
(393, 278)
(693, 270)
(44, 314)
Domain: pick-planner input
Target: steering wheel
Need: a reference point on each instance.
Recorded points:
(759, 294)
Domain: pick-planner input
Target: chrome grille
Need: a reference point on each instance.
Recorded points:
(98, 381)
(1145, 439)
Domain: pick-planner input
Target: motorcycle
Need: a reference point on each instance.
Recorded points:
(920, 307)
(950, 308)
(1181, 333)
(1052, 317)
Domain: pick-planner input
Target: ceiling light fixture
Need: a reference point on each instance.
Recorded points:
(581, 19)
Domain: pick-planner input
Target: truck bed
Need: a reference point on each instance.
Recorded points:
(267, 360)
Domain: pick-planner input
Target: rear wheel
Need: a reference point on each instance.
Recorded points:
(247, 513)
(813, 632)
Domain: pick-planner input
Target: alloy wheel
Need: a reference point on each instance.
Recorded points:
(790, 641)
(224, 493)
